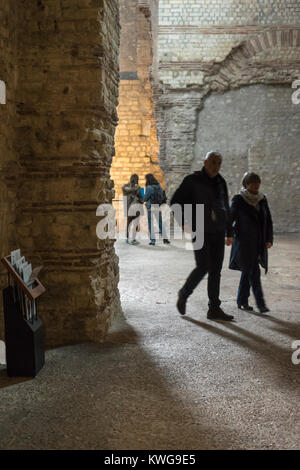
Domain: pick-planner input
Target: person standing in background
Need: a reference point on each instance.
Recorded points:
(155, 195)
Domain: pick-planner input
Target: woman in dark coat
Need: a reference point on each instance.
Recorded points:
(253, 236)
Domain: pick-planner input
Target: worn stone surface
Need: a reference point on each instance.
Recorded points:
(162, 381)
(61, 66)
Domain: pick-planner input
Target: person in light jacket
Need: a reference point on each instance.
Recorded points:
(253, 236)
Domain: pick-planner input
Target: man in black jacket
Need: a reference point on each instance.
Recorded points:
(209, 188)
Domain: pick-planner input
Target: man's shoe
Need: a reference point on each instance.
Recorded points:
(152, 243)
(218, 314)
(166, 241)
(181, 305)
(245, 307)
(264, 309)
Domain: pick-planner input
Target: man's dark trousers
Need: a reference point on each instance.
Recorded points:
(208, 260)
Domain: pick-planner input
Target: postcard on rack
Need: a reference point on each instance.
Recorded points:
(18, 264)
(14, 256)
(26, 272)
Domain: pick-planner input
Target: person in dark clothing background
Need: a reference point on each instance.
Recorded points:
(253, 236)
(155, 197)
(132, 192)
(207, 187)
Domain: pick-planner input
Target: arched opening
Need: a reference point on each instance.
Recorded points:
(136, 143)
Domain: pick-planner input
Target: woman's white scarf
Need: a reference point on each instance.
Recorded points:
(252, 199)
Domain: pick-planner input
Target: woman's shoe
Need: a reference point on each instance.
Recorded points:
(246, 307)
(264, 309)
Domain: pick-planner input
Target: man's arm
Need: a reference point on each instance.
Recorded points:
(183, 193)
(182, 196)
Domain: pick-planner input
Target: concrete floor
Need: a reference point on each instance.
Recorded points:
(162, 381)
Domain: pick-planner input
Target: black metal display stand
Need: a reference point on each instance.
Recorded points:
(24, 331)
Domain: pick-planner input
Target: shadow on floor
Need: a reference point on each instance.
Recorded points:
(278, 357)
(105, 396)
(291, 329)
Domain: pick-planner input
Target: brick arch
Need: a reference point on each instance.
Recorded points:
(276, 51)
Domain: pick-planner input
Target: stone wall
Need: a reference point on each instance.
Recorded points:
(129, 36)
(258, 127)
(8, 74)
(228, 12)
(61, 65)
(207, 49)
(136, 140)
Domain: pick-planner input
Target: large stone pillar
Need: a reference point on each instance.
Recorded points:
(66, 96)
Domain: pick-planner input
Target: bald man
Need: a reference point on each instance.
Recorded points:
(209, 188)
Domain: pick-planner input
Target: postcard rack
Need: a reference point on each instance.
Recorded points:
(24, 330)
